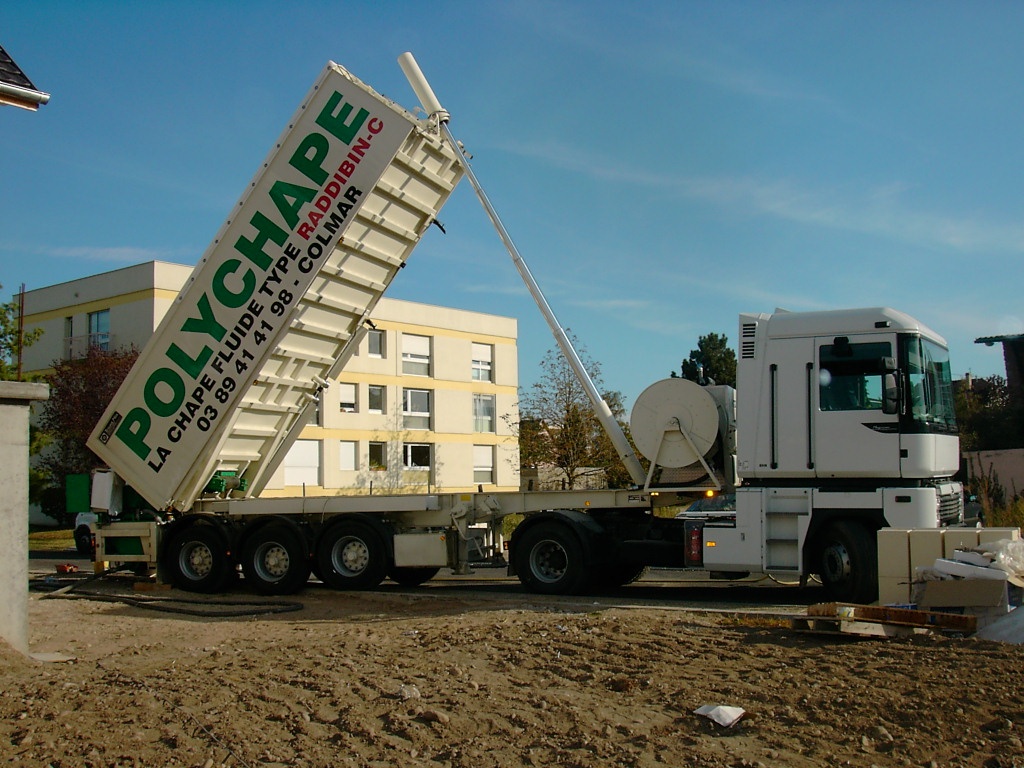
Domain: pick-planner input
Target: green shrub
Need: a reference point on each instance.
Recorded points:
(1009, 515)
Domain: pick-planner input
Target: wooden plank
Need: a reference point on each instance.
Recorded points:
(896, 616)
(837, 626)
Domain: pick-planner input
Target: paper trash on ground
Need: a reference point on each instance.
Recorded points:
(724, 716)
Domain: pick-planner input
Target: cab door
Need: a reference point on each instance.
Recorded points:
(852, 437)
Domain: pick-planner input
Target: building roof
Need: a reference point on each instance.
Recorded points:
(15, 87)
(990, 340)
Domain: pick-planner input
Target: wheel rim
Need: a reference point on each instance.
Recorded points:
(350, 556)
(835, 563)
(548, 561)
(271, 561)
(195, 561)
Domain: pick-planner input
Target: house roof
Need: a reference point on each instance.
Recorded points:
(990, 340)
(15, 87)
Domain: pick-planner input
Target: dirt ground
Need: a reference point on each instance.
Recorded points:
(434, 678)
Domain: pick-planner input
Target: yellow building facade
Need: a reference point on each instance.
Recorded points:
(428, 402)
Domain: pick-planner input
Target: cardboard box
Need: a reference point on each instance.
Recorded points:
(988, 535)
(893, 590)
(963, 593)
(987, 599)
(925, 547)
(893, 554)
(958, 538)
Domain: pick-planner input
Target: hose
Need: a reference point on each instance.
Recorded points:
(218, 608)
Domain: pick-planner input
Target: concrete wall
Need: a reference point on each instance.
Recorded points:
(15, 399)
(1006, 466)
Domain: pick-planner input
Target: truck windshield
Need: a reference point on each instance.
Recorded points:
(929, 388)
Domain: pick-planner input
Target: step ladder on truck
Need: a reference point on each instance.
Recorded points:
(280, 299)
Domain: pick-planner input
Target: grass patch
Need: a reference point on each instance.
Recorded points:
(51, 540)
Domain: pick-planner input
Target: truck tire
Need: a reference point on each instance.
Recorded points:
(83, 541)
(351, 555)
(196, 560)
(275, 560)
(848, 563)
(549, 560)
(609, 577)
(412, 577)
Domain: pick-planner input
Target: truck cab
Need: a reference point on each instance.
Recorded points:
(850, 398)
(845, 425)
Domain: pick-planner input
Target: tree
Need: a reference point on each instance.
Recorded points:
(989, 418)
(715, 356)
(80, 391)
(558, 427)
(605, 453)
(12, 341)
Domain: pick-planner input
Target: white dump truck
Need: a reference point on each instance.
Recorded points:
(843, 423)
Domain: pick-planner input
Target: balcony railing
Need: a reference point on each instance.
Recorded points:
(76, 347)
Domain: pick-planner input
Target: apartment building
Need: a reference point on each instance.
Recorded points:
(427, 403)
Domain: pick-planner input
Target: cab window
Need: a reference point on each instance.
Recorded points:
(850, 375)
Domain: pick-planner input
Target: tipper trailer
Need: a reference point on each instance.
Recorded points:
(845, 424)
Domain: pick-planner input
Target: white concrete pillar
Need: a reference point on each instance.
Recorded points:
(15, 399)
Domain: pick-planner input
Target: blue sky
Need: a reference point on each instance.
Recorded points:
(661, 166)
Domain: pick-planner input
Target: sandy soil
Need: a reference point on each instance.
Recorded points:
(434, 679)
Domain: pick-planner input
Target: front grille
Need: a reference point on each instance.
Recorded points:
(951, 508)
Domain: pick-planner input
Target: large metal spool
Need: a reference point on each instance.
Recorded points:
(664, 412)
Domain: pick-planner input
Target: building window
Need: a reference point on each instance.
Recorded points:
(483, 463)
(416, 456)
(302, 463)
(483, 413)
(375, 395)
(69, 338)
(378, 456)
(483, 355)
(347, 398)
(375, 343)
(347, 455)
(416, 408)
(99, 329)
(415, 354)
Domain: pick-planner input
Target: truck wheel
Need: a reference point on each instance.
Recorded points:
(848, 563)
(275, 560)
(615, 576)
(549, 560)
(351, 555)
(83, 540)
(197, 560)
(412, 577)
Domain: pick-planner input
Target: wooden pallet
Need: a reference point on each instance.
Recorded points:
(879, 621)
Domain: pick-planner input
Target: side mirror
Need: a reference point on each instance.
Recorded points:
(890, 394)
